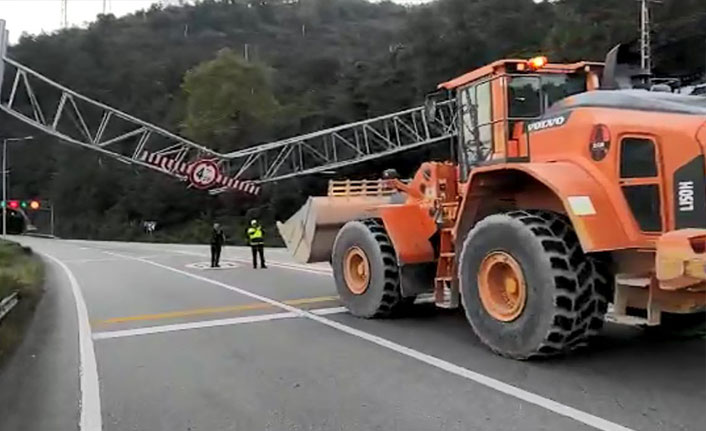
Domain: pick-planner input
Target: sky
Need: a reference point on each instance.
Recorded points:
(36, 16)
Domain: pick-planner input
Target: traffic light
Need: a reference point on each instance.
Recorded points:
(33, 204)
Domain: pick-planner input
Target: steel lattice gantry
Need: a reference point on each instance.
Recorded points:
(67, 115)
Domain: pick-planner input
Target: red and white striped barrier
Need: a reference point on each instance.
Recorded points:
(186, 169)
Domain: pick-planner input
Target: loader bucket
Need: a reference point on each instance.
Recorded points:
(309, 234)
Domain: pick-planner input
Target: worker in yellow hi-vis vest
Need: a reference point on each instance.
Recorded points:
(257, 243)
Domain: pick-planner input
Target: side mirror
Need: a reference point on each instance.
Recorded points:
(431, 104)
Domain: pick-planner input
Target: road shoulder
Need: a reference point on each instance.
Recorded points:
(39, 384)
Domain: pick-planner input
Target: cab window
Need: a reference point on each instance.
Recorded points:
(531, 96)
(557, 87)
(524, 97)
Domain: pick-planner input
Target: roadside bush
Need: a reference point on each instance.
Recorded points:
(21, 271)
(8, 284)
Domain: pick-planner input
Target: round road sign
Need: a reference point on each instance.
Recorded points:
(204, 174)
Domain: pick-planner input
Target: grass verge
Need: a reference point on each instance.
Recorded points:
(22, 271)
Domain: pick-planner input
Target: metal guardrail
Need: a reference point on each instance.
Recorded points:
(8, 303)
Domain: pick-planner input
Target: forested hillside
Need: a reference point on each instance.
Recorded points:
(314, 63)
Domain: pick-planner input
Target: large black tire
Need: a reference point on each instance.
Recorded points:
(382, 296)
(603, 288)
(566, 290)
(602, 279)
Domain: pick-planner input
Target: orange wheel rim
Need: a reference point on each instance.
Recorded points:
(356, 270)
(502, 287)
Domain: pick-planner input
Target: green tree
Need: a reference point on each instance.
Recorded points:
(229, 102)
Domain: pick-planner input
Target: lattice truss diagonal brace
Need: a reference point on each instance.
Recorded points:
(67, 115)
(346, 145)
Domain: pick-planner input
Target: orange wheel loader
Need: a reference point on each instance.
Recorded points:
(569, 192)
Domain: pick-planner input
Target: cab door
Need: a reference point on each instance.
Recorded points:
(476, 124)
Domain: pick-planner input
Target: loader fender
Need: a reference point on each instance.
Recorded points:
(557, 186)
(410, 226)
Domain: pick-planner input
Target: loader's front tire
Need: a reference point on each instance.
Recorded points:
(365, 269)
(527, 287)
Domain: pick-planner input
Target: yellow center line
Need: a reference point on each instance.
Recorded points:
(211, 310)
(311, 300)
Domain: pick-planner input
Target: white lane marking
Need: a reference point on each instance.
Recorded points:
(210, 324)
(72, 261)
(151, 256)
(90, 403)
(296, 267)
(329, 311)
(508, 389)
(313, 269)
(191, 325)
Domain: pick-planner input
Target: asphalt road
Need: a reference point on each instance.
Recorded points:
(163, 344)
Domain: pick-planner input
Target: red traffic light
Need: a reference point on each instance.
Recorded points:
(34, 205)
(13, 204)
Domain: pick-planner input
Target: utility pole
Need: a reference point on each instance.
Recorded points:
(645, 42)
(4, 37)
(51, 219)
(645, 35)
(64, 13)
(4, 179)
(4, 188)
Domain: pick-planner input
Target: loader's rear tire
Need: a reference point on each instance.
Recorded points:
(365, 270)
(527, 287)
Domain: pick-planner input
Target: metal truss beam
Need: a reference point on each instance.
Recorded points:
(67, 115)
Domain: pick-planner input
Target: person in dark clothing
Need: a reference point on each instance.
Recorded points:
(257, 243)
(218, 238)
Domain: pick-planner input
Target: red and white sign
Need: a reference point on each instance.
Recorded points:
(203, 174)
